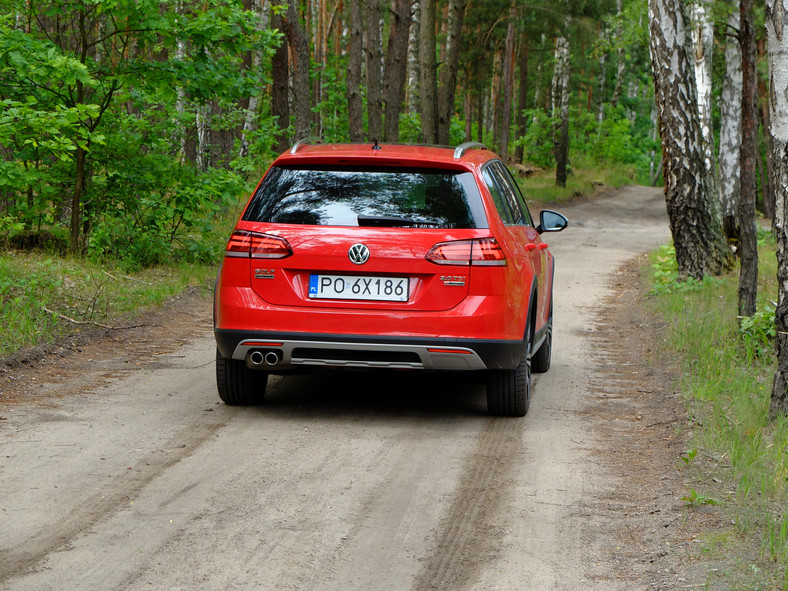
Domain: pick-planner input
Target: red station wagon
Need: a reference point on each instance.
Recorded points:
(387, 256)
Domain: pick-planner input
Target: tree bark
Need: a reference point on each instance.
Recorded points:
(561, 109)
(522, 98)
(508, 85)
(427, 79)
(280, 74)
(730, 130)
(622, 65)
(299, 47)
(777, 34)
(748, 244)
(374, 52)
(355, 55)
(703, 42)
(448, 74)
(695, 219)
(396, 68)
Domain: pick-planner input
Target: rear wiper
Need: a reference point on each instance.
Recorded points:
(390, 221)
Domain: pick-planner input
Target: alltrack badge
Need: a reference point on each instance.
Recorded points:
(358, 254)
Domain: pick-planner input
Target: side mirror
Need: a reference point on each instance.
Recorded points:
(551, 221)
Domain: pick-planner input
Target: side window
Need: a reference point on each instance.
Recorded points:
(527, 219)
(508, 192)
(498, 199)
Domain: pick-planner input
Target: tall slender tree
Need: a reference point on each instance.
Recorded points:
(355, 52)
(299, 55)
(777, 33)
(396, 67)
(695, 218)
(730, 128)
(748, 241)
(561, 109)
(374, 53)
(448, 71)
(427, 78)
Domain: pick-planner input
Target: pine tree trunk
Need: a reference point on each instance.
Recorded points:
(355, 55)
(777, 32)
(280, 74)
(522, 92)
(297, 40)
(428, 81)
(748, 245)
(508, 85)
(396, 67)
(730, 131)
(695, 218)
(374, 52)
(448, 73)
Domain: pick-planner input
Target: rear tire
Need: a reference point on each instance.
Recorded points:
(541, 359)
(509, 390)
(237, 384)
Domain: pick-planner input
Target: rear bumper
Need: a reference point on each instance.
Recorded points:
(302, 349)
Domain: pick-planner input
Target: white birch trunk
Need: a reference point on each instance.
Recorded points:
(703, 44)
(777, 34)
(731, 124)
(693, 206)
(180, 100)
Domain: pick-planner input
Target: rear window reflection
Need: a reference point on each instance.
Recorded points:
(407, 198)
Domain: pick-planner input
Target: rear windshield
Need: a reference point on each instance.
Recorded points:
(403, 198)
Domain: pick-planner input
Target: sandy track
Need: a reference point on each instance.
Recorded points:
(123, 472)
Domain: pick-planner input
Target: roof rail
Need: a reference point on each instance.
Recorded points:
(460, 150)
(307, 140)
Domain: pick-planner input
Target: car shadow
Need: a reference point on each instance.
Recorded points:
(347, 393)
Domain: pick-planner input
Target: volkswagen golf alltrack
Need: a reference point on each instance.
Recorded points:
(387, 257)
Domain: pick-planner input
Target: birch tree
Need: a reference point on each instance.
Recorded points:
(777, 33)
(703, 43)
(695, 220)
(730, 127)
(561, 109)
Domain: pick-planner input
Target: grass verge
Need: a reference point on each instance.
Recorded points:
(47, 297)
(540, 187)
(738, 458)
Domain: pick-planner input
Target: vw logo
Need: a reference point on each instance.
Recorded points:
(358, 254)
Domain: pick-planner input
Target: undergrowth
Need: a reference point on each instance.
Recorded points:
(46, 297)
(738, 459)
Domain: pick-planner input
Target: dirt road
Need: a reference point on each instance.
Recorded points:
(119, 469)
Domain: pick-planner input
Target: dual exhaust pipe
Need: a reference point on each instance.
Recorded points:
(256, 359)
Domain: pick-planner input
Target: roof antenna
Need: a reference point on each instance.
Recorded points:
(376, 146)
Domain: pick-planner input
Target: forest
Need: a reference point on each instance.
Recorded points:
(127, 128)
(130, 128)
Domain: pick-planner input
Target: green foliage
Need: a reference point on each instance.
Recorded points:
(39, 292)
(726, 375)
(132, 102)
(616, 140)
(758, 332)
(665, 274)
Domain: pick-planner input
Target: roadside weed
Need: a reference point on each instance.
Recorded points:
(46, 298)
(737, 460)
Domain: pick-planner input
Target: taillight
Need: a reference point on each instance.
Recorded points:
(481, 251)
(257, 246)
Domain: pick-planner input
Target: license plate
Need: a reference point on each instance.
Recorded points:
(351, 287)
